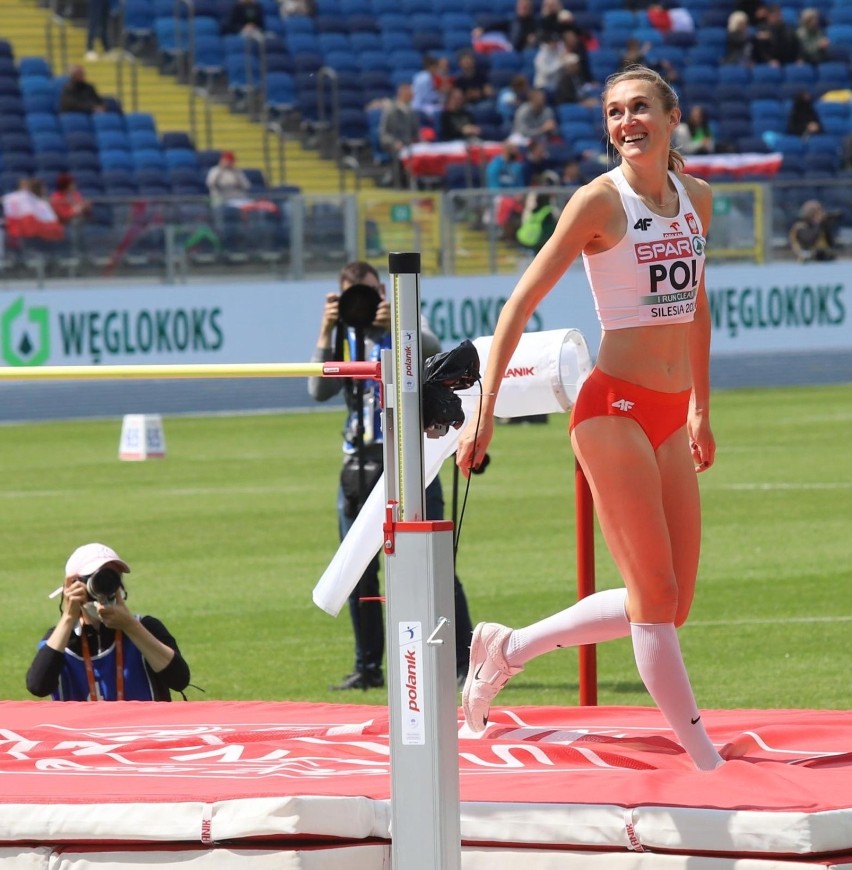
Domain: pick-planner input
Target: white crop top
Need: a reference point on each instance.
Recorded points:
(651, 276)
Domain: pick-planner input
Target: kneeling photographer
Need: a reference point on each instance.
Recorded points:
(356, 326)
(99, 650)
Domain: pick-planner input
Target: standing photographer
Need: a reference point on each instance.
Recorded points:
(355, 326)
(100, 651)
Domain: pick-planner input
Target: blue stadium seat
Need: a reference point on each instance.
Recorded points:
(185, 157)
(143, 140)
(12, 106)
(362, 23)
(333, 42)
(78, 140)
(613, 19)
(108, 121)
(39, 102)
(176, 139)
(137, 19)
(48, 141)
(19, 143)
(84, 161)
(19, 163)
(341, 61)
(110, 140)
(764, 72)
(149, 158)
(733, 74)
(139, 121)
(42, 122)
(34, 66)
(704, 74)
(75, 122)
(821, 163)
(116, 159)
(52, 161)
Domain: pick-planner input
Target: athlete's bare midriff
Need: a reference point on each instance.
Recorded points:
(656, 357)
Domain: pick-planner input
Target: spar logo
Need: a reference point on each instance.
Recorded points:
(25, 334)
(665, 249)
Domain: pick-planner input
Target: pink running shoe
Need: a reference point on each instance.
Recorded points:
(487, 673)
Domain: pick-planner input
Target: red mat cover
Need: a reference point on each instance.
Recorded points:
(606, 778)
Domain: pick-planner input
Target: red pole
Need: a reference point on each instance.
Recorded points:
(585, 581)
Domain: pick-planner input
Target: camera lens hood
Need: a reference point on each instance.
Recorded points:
(358, 305)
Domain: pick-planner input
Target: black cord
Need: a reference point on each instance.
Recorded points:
(469, 473)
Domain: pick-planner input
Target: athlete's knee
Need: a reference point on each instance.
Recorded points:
(655, 601)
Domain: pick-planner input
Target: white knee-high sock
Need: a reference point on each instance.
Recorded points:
(593, 619)
(661, 667)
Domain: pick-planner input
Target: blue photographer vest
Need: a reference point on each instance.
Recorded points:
(74, 686)
(372, 398)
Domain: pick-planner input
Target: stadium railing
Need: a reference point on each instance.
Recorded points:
(293, 235)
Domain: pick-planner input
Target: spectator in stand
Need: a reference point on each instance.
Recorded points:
(548, 61)
(739, 42)
(246, 18)
(812, 233)
(99, 13)
(572, 86)
(430, 87)
(755, 10)
(553, 19)
(399, 127)
(670, 19)
(775, 41)
(229, 187)
(634, 55)
(287, 8)
(71, 207)
(803, 119)
(78, 95)
(523, 28)
(535, 119)
(694, 136)
(31, 225)
(456, 119)
(536, 161)
(506, 170)
(512, 96)
(813, 42)
(472, 80)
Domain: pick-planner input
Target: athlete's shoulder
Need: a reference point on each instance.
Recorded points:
(698, 190)
(598, 195)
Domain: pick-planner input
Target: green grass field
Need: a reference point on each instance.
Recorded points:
(229, 533)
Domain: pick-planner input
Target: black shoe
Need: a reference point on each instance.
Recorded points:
(372, 678)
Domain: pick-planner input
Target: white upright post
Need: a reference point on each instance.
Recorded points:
(425, 827)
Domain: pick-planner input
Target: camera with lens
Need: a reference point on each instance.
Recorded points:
(358, 305)
(103, 585)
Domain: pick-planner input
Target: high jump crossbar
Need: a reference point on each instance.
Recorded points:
(357, 370)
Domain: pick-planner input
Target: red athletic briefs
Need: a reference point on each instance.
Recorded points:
(659, 414)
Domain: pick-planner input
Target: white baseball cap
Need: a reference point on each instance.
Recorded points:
(89, 558)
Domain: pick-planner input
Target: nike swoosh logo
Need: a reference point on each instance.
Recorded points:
(695, 721)
(478, 671)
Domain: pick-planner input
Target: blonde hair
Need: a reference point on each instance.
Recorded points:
(665, 91)
(736, 20)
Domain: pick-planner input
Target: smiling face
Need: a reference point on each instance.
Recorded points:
(640, 117)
